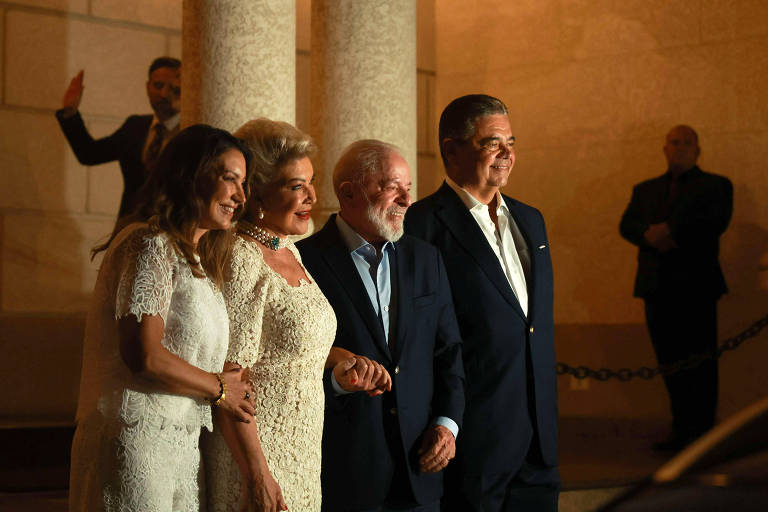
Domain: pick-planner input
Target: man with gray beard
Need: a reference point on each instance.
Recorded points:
(385, 451)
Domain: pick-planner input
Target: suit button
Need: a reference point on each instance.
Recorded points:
(393, 411)
(530, 329)
(397, 370)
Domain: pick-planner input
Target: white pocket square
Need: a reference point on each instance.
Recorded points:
(542, 246)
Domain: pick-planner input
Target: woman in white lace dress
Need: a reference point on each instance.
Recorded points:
(156, 335)
(281, 331)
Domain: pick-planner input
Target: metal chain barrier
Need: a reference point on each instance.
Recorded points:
(644, 372)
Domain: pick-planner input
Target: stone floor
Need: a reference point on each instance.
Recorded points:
(597, 459)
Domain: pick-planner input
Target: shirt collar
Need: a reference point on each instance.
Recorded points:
(352, 238)
(471, 201)
(684, 175)
(171, 124)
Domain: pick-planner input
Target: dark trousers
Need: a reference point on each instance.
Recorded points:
(534, 488)
(400, 496)
(432, 507)
(681, 327)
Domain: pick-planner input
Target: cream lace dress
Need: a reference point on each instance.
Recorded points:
(283, 335)
(136, 449)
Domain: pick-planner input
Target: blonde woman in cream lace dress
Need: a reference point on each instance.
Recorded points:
(281, 331)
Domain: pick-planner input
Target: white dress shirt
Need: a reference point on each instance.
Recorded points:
(506, 241)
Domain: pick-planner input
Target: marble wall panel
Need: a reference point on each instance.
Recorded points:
(426, 119)
(724, 88)
(77, 6)
(604, 27)
(582, 191)
(303, 94)
(47, 51)
(39, 172)
(430, 177)
(426, 58)
(52, 344)
(733, 19)
(163, 13)
(614, 98)
(105, 182)
(2, 55)
(174, 46)
(303, 25)
(485, 37)
(46, 263)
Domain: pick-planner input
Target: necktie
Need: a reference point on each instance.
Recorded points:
(153, 151)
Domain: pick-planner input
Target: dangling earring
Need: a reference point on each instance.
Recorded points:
(260, 213)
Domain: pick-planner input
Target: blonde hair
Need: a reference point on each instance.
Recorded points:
(272, 144)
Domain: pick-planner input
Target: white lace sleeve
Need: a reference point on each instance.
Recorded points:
(245, 294)
(145, 285)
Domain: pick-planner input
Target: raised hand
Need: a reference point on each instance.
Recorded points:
(74, 93)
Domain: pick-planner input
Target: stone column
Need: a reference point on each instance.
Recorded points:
(238, 61)
(363, 82)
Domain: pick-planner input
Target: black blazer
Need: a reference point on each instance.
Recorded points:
(125, 145)
(424, 362)
(697, 216)
(498, 422)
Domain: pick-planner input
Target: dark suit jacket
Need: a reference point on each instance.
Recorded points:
(697, 216)
(125, 145)
(499, 421)
(424, 361)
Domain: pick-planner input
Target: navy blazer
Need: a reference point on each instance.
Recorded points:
(125, 145)
(424, 361)
(697, 216)
(498, 419)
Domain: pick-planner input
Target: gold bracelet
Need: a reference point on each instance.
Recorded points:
(222, 391)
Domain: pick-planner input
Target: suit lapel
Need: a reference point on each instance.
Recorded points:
(336, 256)
(460, 222)
(404, 273)
(525, 230)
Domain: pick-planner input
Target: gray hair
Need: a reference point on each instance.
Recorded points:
(457, 121)
(273, 144)
(361, 159)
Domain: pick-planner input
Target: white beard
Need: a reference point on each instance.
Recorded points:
(383, 228)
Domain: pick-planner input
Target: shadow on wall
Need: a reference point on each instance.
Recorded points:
(745, 263)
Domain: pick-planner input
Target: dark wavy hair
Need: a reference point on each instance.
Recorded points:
(177, 192)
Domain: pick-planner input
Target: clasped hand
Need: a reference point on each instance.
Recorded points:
(660, 237)
(358, 373)
(238, 388)
(437, 449)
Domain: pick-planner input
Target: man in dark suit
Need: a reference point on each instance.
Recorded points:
(393, 304)
(498, 262)
(676, 221)
(138, 142)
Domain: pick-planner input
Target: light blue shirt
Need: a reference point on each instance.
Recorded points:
(369, 264)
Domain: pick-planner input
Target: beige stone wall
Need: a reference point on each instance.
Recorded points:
(593, 87)
(52, 209)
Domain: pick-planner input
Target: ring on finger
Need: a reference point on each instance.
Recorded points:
(247, 395)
